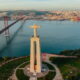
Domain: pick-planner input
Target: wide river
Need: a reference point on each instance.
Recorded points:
(55, 36)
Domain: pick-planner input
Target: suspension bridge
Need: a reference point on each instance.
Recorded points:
(6, 26)
(6, 36)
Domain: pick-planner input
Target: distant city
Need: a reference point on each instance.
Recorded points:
(71, 15)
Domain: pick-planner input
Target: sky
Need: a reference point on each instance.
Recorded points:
(39, 4)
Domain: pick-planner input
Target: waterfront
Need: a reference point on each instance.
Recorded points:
(55, 37)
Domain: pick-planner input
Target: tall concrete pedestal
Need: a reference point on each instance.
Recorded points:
(35, 52)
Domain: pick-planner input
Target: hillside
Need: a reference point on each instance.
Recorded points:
(70, 67)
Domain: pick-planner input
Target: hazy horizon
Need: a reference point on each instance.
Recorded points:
(39, 4)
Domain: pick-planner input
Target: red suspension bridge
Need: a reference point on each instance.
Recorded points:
(6, 26)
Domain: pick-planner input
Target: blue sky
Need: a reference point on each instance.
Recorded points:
(39, 4)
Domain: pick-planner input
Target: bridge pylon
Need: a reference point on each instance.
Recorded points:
(5, 25)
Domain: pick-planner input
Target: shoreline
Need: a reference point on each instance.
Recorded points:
(46, 20)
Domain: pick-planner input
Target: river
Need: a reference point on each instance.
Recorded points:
(55, 36)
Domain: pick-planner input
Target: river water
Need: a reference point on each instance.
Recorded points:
(55, 36)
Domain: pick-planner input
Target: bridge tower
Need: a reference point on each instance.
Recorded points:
(5, 25)
(35, 52)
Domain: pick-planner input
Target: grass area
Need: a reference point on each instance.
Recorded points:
(23, 65)
(4, 59)
(49, 76)
(7, 69)
(1, 59)
(70, 67)
(49, 66)
(20, 75)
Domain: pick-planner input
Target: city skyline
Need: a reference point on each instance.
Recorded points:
(39, 4)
